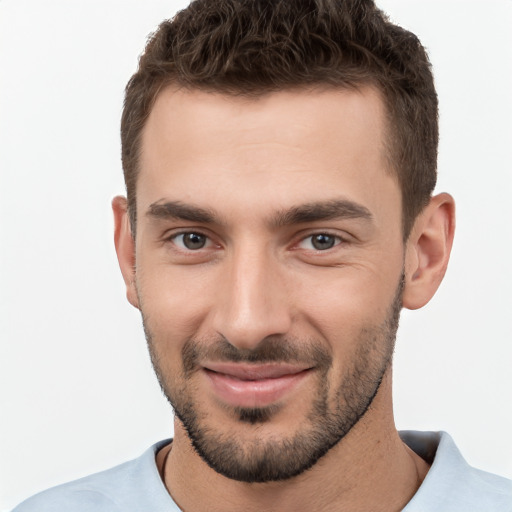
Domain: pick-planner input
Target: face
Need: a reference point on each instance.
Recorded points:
(269, 263)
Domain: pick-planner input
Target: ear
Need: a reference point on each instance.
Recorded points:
(125, 247)
(428, 251)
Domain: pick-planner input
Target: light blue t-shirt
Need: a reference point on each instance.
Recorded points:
(451, 485)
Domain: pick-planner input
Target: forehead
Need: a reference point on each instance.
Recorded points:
(279, 117)
(279, 149)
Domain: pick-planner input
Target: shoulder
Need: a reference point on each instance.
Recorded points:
(134, 485)
(95, 492)
(452, 484)
(66, 498)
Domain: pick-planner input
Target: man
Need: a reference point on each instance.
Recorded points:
(280, 159)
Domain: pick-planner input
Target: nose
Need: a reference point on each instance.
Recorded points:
(253, 302)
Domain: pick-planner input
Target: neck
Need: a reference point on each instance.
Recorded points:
(369, 469)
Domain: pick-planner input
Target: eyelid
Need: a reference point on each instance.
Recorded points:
(341, 238)
(172, 235)
(338, 240)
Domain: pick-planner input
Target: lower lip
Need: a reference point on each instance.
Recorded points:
(253, 393)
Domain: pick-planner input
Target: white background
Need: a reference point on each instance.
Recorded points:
(77, 393)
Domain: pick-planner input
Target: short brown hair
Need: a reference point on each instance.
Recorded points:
(252, 47)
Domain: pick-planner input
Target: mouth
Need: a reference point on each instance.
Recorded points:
(253, 385)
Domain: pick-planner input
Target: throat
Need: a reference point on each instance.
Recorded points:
(380, 476)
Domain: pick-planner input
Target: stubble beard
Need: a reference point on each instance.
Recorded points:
(330, 419)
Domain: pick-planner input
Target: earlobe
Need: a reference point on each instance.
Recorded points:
(125, 247)
(428, 251)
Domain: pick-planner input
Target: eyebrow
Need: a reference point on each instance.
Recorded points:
(308, 212)
(322, 210)
(180, 211)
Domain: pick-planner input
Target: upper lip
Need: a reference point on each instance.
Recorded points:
(251, 371)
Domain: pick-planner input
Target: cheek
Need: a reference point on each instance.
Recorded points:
(349, 312)
(346, 298)
(173, 303)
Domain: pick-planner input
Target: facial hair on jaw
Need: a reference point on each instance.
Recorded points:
(261, 460)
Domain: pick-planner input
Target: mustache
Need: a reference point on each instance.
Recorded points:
(273, 349)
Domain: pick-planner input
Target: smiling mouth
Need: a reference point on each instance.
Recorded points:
(253, 385)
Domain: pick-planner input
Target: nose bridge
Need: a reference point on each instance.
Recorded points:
(252, 304)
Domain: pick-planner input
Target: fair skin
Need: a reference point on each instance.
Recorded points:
(225, 250)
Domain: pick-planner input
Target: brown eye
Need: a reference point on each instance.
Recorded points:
(191, 241)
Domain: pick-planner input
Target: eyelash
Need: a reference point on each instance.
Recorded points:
(175, 236)
(338, 240)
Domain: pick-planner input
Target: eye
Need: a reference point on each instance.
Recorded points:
(320, 242)
(191, 241)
